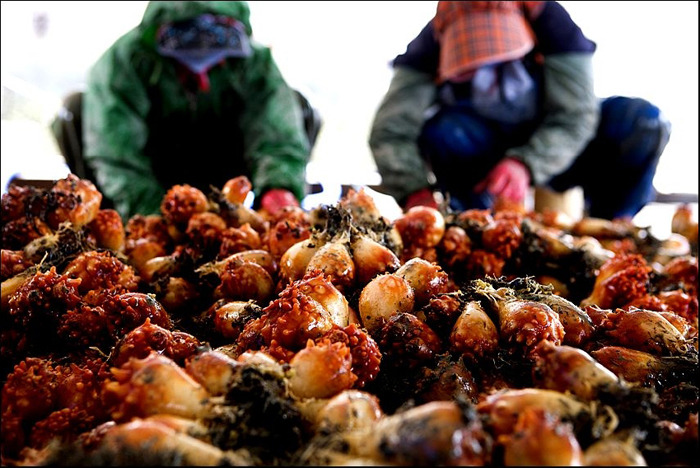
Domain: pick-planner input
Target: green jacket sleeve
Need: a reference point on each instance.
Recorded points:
(276, 147)
(115, 133)
(572, 114)
(395, 130)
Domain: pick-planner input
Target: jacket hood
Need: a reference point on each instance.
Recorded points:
(159, 12)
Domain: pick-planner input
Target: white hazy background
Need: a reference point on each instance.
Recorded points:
(338, 53)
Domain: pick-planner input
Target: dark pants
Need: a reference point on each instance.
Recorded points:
(67, 128)
(615, 171)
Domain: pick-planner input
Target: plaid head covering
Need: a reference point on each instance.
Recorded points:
(472, 34)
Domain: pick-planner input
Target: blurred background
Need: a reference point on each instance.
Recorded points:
(337, 53)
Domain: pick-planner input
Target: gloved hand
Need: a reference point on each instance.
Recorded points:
(423, 197)
(274, 200)
(509, 179)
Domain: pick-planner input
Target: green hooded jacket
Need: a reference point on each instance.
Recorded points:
(144, 131)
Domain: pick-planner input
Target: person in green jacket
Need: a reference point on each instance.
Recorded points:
(189, 97)
(494, 97)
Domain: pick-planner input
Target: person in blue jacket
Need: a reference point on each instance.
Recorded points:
(492, 98)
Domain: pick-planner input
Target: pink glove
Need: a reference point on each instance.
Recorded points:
(423, 197)
(274, 200)
(510, 179)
